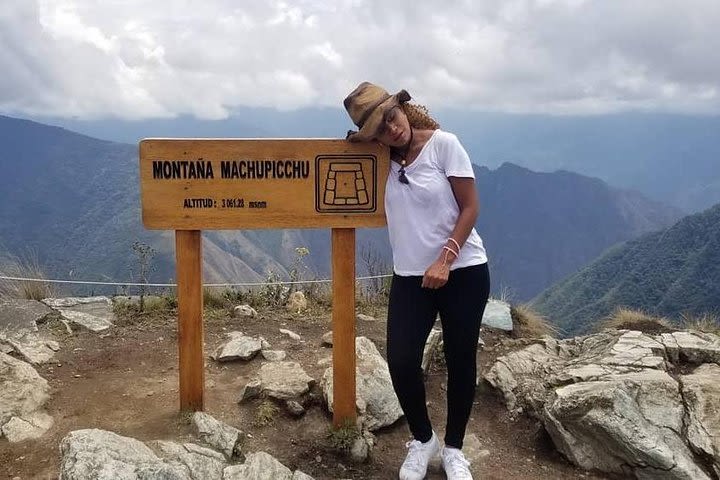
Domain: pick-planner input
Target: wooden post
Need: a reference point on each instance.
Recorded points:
(188, 254)
(343, 324)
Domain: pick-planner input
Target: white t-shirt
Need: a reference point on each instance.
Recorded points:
(422, 215)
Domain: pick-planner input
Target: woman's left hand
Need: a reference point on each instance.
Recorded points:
(436, 275)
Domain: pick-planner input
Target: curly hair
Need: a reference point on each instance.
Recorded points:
(419, 117)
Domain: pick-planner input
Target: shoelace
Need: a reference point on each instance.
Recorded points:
(458, 464)
(414, 455)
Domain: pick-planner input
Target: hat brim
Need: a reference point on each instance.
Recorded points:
(369, 129)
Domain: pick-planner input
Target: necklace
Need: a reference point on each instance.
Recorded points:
(402, 178)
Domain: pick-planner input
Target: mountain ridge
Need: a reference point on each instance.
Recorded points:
(75, 201)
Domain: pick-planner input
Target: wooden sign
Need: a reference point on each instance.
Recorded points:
(189, 185)
(201, 184)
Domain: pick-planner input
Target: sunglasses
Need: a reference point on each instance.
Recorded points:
(402, 178)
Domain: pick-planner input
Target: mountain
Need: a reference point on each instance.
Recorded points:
(669, 158)
(667, 273)
(539, 227)
(73, 201)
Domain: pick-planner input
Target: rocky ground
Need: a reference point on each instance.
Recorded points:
(124, 379)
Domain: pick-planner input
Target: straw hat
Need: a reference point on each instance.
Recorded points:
(367, 105)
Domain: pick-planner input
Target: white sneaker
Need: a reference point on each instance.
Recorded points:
(455, 464)
(419, 455)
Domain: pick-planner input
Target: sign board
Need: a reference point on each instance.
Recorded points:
(201, 184)
(190, 185)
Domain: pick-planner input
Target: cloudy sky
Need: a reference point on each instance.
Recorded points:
(136, 59)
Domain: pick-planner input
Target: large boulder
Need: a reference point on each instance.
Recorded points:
(701, 393)
(23, 392)
(94, 454)
(611, 401)
(19, 331)
(194, 460)
(102, 455)
(18, 316)
(94, 313)
(376, 401)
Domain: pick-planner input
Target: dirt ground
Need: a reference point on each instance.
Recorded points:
(126, 381)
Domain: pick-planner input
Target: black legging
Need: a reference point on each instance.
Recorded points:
(411, 314)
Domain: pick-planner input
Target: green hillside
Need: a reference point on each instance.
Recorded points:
(671, 272)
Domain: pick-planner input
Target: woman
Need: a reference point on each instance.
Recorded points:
(439, 265)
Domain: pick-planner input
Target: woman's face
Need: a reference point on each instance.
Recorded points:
(394, 131)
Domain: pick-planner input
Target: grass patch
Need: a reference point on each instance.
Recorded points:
(265, 414)
(705, 322)
(527, 323)
(28, 267)
(343, 437)
(624, 318)
(156, 309)
(216, 299)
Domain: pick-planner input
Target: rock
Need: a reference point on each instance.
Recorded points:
(296, 302)
(34, 347)
(375, 398)
(93, 313)
(274, 355)
(18, 316)
(701, 392)
(23, 392)
(294, 408)
(497, 315)
(264, 344)
(251, 390)
(258, 466)
(239, 347)
(472, 449)
(365, 318)
(635, 349)
(284, 380)
(102, 455)
(290, 334)
(30, 427)
(196, 461)
(609, 404)
(362, 446)
(92, 322)
(19, 331)
(691, 347)
(628, 423)
(327, 339)
(117, 299)
(244, 311)
(219, 435)
(298, 475)
(431, 347)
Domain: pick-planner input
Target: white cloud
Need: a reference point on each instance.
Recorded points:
(137, 59)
